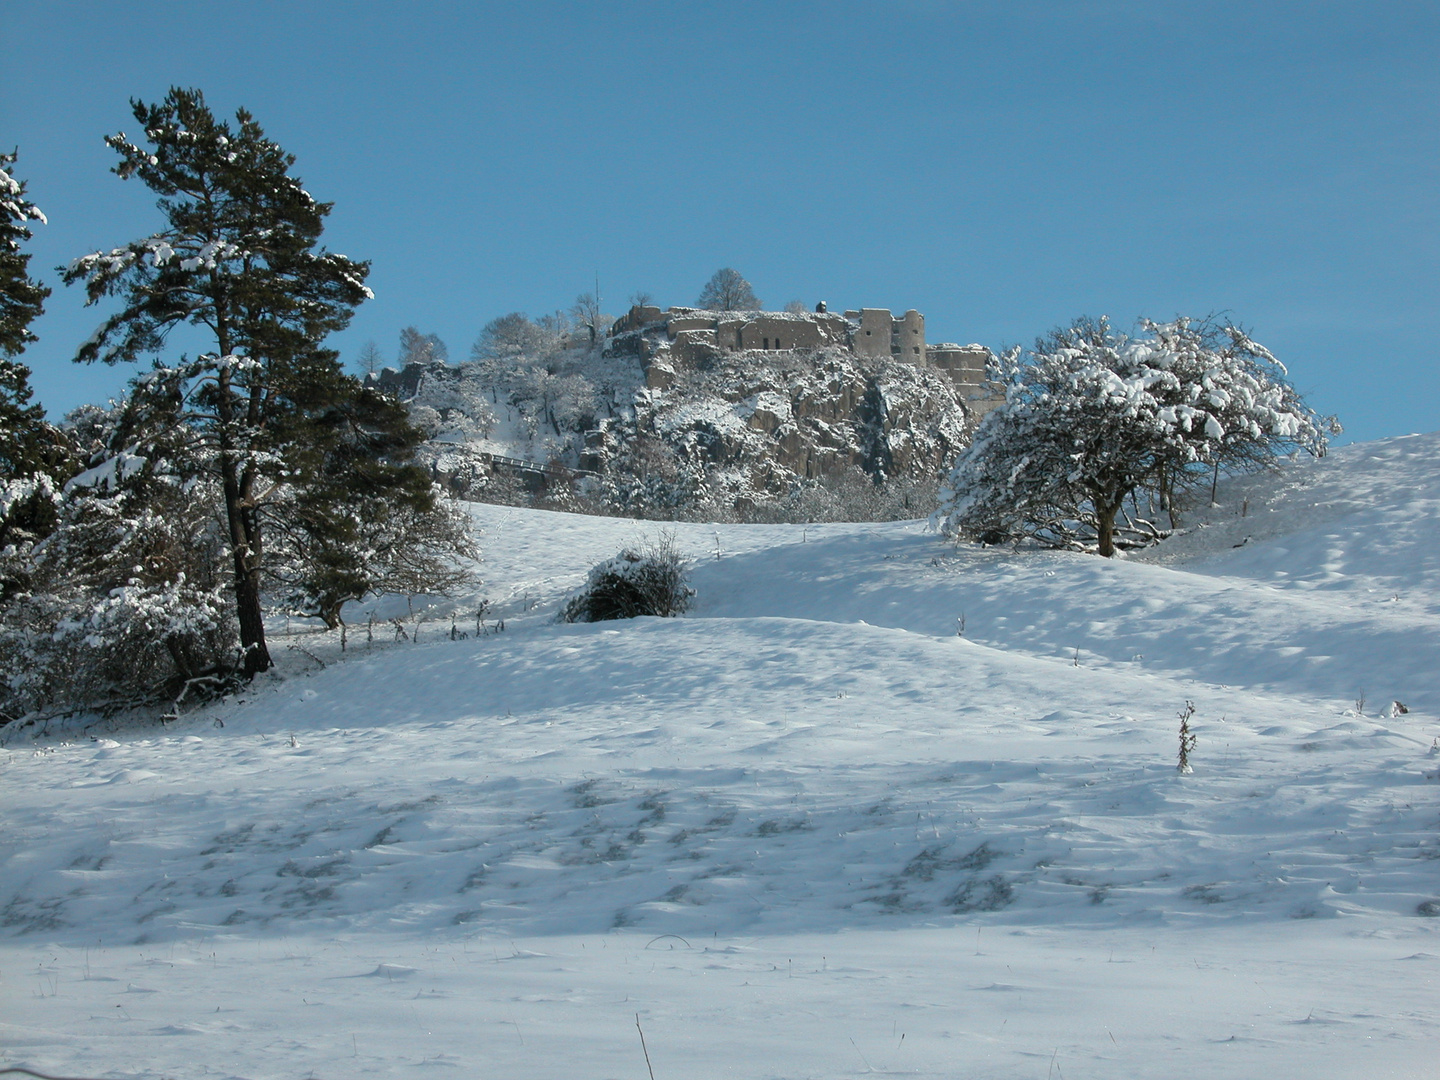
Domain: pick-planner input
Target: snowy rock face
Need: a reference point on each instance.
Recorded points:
(681, 424)
(768, 419)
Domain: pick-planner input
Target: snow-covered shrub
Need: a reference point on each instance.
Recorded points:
(1093, 416)
(125, 602)
(650, 580)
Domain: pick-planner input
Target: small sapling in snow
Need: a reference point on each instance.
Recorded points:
(645, 1049)
(1187, 740)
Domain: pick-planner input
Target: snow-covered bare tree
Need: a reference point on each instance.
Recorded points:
(514, 337)
(728, 291)
(1091, 416)
(588, 317)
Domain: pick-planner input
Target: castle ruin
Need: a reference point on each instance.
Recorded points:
(683, 338)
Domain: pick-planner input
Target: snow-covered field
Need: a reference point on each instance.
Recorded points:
(808, 831)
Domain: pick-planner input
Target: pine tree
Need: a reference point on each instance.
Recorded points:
(366, 520)
(25, 439)
(239, 256)
(35, 461)
(22, 299)
(127, 600)
(34, 456)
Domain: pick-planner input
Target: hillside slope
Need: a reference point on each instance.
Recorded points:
(804, 821)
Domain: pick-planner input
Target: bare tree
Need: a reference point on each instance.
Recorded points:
(371, 360)
(728, 291)
(418, 348)
(587, 314)
(1093, 415)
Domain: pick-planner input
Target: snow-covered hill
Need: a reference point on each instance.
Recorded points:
(810, 830)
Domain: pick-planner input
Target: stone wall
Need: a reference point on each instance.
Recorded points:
(968, 368)
(679, 339)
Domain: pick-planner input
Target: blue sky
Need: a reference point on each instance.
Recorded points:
(1002, 167)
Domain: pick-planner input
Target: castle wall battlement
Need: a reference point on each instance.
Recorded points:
(684, 337)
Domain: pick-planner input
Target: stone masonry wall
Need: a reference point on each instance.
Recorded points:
(681, 339)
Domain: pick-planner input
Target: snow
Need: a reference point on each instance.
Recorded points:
(808, 830)
(113, 470)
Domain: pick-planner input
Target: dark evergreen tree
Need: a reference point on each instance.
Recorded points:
(25, 438)
(33, 454)
(35, 460)
(240, 257)
(127, 602)
(22, 299)
(366, 519)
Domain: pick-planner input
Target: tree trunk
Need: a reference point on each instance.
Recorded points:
(177, 657)
(252, 620)
(244, 543)
(1105, 525)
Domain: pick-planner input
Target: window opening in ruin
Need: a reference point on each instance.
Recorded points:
(767, 343)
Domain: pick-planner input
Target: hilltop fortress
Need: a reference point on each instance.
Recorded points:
(689, 410)
(691, 339)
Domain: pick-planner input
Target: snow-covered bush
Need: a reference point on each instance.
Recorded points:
(650, 580)
(1093, 416)
(125, 602)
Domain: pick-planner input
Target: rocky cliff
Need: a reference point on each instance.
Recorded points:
(677, 432)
